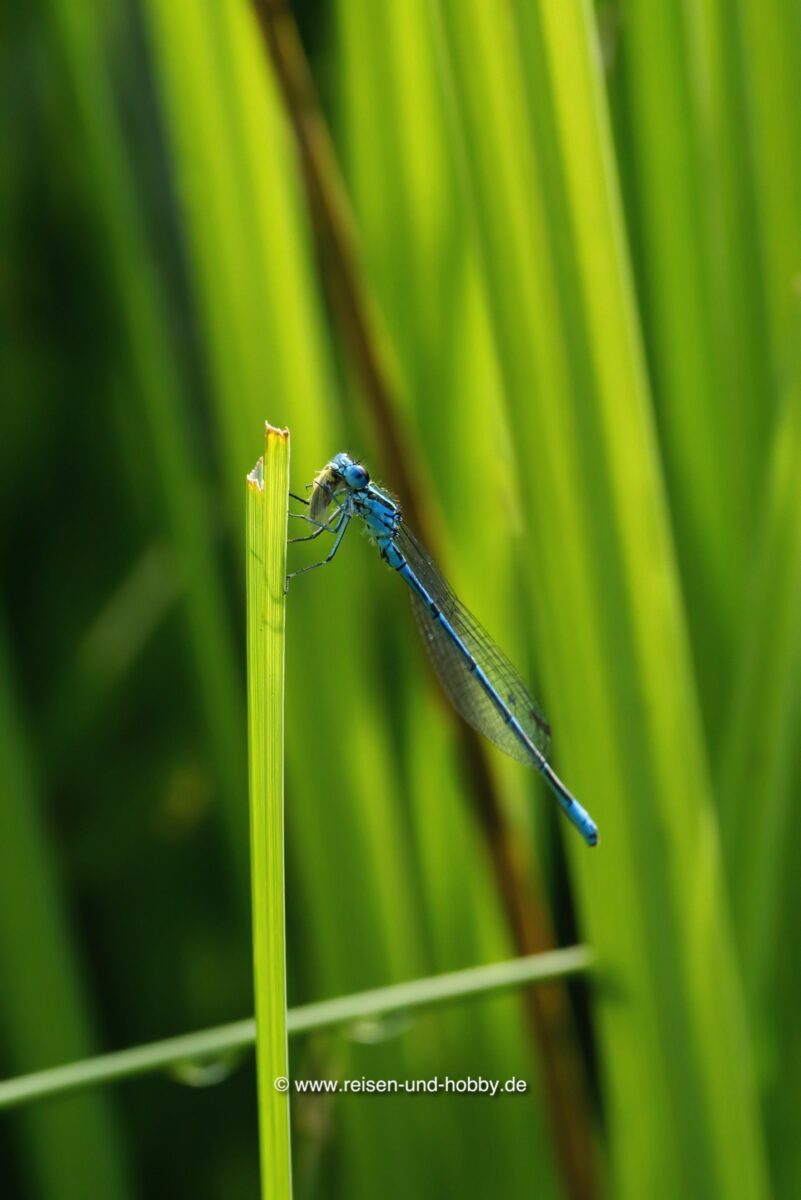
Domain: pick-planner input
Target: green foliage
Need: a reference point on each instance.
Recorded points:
(576, 248)
(604, 569)
(73, 1148)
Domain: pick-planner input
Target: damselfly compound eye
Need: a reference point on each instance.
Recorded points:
(356, 477)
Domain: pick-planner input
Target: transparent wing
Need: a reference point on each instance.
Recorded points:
(464, 691)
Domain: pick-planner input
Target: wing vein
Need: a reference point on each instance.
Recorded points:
(463, 689)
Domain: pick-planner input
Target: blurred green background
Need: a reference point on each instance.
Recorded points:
(544, 278)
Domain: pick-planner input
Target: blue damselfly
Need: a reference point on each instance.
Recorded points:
(477, 676)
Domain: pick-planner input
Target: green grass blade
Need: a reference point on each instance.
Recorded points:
(73, 1149)
(772, 68)
(158, 386)
(757, 775)
(416, 996)
(614, 646)
(250, 273)
(267, 496)
(700, 295)
(401, 166)
(766, 677)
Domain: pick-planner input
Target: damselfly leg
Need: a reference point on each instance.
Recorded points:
(331, 526)
(339, 529)
(319, 527)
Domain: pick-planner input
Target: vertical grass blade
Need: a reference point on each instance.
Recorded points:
(760, 775)
(400, 165)
(614, 648)
(72, 1148)
(772, 68)
(266, 531)
(692, 191)
(256, 298)
(81, 37)
(757, 772)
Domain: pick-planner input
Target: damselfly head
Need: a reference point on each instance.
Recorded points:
(352, 472)
(341, 474)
